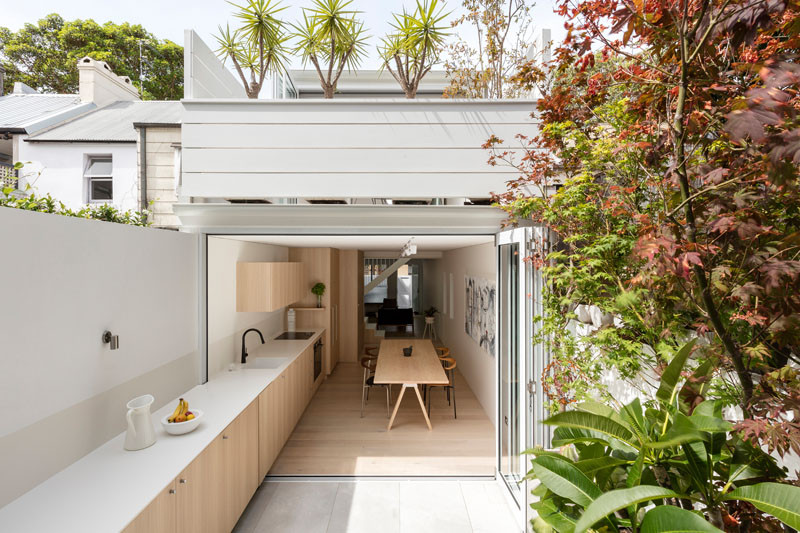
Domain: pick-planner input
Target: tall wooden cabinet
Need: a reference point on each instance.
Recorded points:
(322, 265)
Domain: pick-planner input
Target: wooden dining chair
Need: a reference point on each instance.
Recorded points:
(450, 368)
(368, 381)
(371, 350)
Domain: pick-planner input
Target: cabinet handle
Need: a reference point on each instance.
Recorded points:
(224, 437)
(183, 482)
(172, 491)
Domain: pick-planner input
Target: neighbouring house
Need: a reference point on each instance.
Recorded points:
(84, 149)
(24, 112)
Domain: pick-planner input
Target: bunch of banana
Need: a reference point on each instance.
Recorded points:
(182, 413)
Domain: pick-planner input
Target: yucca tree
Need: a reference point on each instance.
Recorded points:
(415, 44)
(332, 38)
(258, 46)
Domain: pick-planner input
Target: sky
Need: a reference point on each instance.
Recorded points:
(167, 19)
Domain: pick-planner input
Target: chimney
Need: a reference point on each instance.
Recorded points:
(100, 86)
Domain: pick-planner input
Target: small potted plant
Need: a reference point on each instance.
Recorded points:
(430, 315)
(318, 290)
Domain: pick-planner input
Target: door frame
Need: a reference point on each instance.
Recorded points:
(532, 240)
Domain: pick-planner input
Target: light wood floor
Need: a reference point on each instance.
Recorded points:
(332, 439)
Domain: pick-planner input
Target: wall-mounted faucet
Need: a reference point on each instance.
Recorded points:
(244, 350)
(110, 338)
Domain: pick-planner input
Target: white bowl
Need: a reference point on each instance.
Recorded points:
(179, 428)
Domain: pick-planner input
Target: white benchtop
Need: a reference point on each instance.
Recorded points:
(106, 489)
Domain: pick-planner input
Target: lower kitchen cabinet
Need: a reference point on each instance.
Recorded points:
(210, 494)
(240, 446)
(281, 405)
(159, 516)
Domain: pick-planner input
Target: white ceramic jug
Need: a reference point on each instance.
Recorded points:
(141, 432)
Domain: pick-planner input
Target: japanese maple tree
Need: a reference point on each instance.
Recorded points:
(667, 163)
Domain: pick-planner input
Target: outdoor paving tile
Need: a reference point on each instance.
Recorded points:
(298, 507)
(366, 507)
(433, 507)
(488, 509)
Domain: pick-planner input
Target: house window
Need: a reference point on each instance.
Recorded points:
(99, 180)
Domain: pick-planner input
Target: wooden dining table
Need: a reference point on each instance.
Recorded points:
(421, 368)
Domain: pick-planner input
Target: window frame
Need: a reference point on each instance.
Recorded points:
(89, 179)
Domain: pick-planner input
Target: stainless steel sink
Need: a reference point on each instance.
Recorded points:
(294, 335)
(265, 362)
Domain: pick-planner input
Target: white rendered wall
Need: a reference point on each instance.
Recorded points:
(57, 169)
(204, 75)
(475, 364)
(62, 391)
(225, 325)
(348, 148)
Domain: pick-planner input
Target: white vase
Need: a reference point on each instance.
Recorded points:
(141, 432)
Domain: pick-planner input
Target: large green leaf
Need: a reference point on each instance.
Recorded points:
(681, 431)
(613, 501)
(710, 424)
(563, 435)
(671, 519)
(780, 500)
(672, 373)
(593, 422)
(589, 466)
(549, 513)
(565, 479)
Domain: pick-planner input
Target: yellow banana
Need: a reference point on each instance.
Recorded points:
(178, 411)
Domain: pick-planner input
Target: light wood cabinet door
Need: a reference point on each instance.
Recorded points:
(159, 516)
(240, 451)
(268, 286)
(266, 430)
(200, 508)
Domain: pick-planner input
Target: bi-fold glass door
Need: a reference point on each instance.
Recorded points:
(520, 363)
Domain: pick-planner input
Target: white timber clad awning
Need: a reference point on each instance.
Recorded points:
(365, 148)
(259, 219)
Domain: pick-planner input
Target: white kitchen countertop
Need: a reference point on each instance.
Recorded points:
(106, 489)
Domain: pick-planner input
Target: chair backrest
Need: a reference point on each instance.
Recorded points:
(442, 351)
(448, 362)
(370, 363)
(371, 350)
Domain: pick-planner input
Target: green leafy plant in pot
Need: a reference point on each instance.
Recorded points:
(430, 314)
(672, 464)
(318, 290)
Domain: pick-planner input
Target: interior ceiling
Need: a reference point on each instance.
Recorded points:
(369, 243)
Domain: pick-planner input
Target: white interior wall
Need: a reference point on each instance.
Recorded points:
(57, 169)
(476, 365)
(225, 325)
(67, 280)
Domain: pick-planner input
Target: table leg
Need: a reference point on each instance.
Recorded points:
(422, 405)
(396, 406)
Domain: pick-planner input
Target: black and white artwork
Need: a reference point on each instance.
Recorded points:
(479, 311)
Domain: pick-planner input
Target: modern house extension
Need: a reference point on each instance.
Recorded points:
(397, 395)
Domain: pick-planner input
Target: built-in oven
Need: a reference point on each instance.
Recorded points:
(317, 359)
